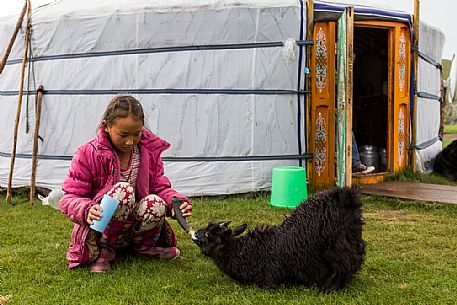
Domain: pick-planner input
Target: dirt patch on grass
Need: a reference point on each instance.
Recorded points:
(450, 136)
(395, 216)
(4, 299)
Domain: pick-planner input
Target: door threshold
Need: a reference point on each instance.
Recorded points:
(371, 178)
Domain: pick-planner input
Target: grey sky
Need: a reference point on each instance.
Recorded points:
(437, 13)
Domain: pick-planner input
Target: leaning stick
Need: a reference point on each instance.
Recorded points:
(35, 142)
(19, 105)
(176, 203)
(13, 38)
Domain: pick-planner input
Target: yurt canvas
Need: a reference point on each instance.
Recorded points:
(236, 87)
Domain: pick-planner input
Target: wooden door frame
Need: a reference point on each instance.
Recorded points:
(393, 28)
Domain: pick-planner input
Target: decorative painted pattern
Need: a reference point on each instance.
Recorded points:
(321, 60)
(401, 137)
(320, 150)
(402, 62)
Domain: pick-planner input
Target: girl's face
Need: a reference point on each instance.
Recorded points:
(125, 133)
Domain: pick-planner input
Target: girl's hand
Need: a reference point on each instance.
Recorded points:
(94, 213)
(186, 210)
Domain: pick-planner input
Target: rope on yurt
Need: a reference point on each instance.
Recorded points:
(163, 91)
(178, 159)
(427, 58)
(235, 46)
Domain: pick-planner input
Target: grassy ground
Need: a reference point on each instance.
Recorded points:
(449, 130)
(409, 175)
(410, 260)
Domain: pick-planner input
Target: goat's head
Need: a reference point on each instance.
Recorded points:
(216, 234)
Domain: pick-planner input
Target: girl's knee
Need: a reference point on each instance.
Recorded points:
(152, 205)
(123, 186)
(125, 193)
(151, 212)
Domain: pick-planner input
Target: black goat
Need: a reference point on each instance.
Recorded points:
(446, 161)
(319, 245)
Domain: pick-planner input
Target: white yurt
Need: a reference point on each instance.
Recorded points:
(225, 82)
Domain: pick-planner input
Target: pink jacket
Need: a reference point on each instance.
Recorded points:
(94, 170)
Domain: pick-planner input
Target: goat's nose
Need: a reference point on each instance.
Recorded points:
(196, 240)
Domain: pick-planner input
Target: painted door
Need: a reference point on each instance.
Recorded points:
(344, 62)
(401, 62)
(322, 140)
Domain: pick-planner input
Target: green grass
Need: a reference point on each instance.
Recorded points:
(411, 259)
(409, 175)
(452, 129)
(449, 129)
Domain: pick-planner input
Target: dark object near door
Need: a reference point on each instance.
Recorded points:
(446, 162)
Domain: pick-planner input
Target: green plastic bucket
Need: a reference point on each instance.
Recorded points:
(288, 186)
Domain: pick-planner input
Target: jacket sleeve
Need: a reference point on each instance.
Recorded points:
(162, 186)
(77, 187)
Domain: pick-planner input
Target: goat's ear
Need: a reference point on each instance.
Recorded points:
(224, 224)
(240, 229)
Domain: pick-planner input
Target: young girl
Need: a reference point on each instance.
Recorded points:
(122, 161)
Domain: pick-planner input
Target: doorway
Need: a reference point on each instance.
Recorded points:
(370, 95)
(380, 97)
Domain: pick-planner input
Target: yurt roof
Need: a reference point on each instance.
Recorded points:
(45, 11)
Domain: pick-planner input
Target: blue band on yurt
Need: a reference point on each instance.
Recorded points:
(362, 10)
(427, 58)
(429, 96)
(426, 144)
(253, 45)
(180, 159)
(163, 91)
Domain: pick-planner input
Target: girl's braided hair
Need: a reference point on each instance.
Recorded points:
(122, 106)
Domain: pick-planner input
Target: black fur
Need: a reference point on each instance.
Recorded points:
(446, 162)
(319, 245)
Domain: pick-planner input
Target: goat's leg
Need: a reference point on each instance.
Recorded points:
(339, 261)
(339, 281)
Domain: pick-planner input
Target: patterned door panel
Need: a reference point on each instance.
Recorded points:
(323, 105)
(400, 37)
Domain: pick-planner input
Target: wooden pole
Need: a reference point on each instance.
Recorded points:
(416, 23)
(349, 91)
(442, 108)
(308, 110)
(19, 105)
(35, 142)
(13, 38)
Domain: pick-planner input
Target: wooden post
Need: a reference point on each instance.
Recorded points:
(35, 142)
(442, 108)
(309, 19)
(416, 23)
(13, 38)
(349, 85)
(308, 109)
(19, 105)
